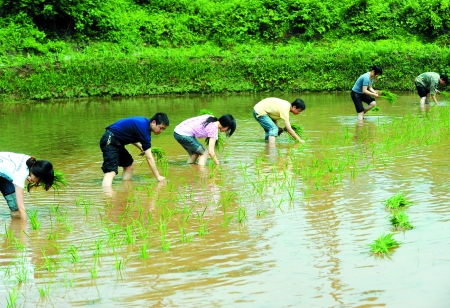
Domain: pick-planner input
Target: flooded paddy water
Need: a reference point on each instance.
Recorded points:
(279, 227)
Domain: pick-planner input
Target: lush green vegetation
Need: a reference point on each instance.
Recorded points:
(57, 49)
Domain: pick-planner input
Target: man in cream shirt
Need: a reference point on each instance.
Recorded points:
(268, 111)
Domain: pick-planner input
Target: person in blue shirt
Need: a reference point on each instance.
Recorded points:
(137, 131)
(363, 91)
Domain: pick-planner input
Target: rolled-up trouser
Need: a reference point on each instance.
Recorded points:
(269, 126)
(9, 193)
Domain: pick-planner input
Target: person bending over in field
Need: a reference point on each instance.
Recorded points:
(426, 84)
(268, 111)
(135, 130)
(15, 170)
(204, 126)
(363, 91)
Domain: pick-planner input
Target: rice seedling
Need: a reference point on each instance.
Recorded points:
(22, 271)
(184, 237)
(98, 247)
(389, 96)
(396, 201)
(13, 296)
(241, 215)
(44, 290)
(375, 109)
(119, 264)
(35, 223)
(261, 212)
(143, 251)
(9, 234)
(445, 94)
(399, 219)
(203, 229)
(226, 220)
(130, 238)
(50, 265)
(165, 245)
(7, 272)
(384, 244)
(93, 270)
(73, 255)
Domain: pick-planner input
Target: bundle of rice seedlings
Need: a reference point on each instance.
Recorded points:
(158, 153)
(297, 129)
(400, 219)
(60, 180)
(396, 201)
(384, 244)
(389, 96)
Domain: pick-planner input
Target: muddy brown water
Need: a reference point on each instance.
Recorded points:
(296, 248)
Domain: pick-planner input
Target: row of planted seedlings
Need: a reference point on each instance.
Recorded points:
(343, 156)
(399, 220)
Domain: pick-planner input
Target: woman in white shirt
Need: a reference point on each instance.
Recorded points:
(15, 170)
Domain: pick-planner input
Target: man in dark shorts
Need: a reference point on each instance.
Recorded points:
(363, 91)
(426, 85)
(134, 130)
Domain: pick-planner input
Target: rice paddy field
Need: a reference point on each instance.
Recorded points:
(291, 226)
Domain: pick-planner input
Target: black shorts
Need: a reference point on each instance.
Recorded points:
(114, 153)
(359, 98)
(423, 92)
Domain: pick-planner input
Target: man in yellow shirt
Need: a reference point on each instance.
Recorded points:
(269, 110)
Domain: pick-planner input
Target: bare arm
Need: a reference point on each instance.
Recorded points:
(212, 154)
(292, 132)
(152, 165)
(20, 203)
(370, 91)
(139, 146)
(434, 99)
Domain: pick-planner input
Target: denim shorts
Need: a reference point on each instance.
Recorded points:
(8, 190)
(190, 144)
(114, 153)
(269, 126)
(358, 98)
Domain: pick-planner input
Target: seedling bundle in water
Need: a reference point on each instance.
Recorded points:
(397, 201)
(389, 96)
(384, 244)
(400, 219)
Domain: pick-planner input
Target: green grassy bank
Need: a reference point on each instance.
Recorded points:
(100, 70)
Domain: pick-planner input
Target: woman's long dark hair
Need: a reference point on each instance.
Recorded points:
(43, 170)
(226, 120)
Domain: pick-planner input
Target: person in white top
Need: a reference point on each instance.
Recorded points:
(15, 170)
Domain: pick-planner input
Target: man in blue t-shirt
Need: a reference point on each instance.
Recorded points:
(363, 91)
(134, 130)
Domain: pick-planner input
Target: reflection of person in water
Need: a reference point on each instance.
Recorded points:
(15, 170)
